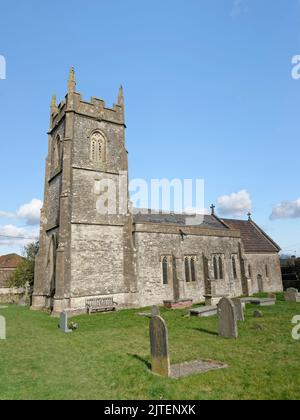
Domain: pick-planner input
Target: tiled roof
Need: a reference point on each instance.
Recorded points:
(10, 261)
(253, 237)
(207, 222)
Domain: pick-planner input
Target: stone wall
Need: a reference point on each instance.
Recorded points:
(116, 156)
(54, 201)
(152, 247)
(97, 260)
(268, 267)
(5, 274)
(11, 295)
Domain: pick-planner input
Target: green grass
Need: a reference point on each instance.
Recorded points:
(108, 357)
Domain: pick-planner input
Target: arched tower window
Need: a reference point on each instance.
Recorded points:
(250, 271)
(98, 148)
(56, 153)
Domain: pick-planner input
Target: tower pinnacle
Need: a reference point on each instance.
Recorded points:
(53, 105)
(72, 81)
(121, 96)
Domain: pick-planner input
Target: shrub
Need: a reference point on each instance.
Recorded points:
(25, 271)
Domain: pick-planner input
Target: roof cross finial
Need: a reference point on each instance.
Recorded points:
(212, 209)
(249, 216)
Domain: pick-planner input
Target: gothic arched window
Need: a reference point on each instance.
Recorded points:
(98, 148)
(216, 271)
(193, 270)
(234, 268)
(165, 270)
(187, 270)
(221, 269)
(56, 153)
(267, 271)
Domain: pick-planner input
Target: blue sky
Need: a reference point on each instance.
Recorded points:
(208, 90)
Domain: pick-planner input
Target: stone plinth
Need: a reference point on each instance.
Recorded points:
(178, 304)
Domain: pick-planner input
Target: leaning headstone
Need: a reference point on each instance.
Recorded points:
(239, 309)
(227, 319)
(63, 325)
(159, 343)
(292, 295)
(155, 311)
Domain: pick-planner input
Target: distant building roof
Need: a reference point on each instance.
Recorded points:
(10, 261)
(253, 237)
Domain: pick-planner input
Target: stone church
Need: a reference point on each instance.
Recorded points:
(137, 258)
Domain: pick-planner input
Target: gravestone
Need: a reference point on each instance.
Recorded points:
(204, 311)
(239, 309)
(160, 359)
(292, 295)
(227, 319)
(155, 311)
(63, 325)
(2, 328)
(25, 300)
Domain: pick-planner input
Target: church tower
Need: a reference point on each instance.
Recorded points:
(86, 245)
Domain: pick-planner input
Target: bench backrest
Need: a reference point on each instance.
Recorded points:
(100, 302)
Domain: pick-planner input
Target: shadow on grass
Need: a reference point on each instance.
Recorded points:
(140, 359)
(206, 331)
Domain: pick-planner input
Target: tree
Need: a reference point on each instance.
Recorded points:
(25, 271)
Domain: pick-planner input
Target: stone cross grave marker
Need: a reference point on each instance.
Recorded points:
(227, 319)
(155, 311)
(159, 343)
(63, 325)
(239, 309)
(292, 295)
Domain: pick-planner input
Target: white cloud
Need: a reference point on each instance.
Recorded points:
(29, 212)
(11, 235)
(286, 210)
(6, 214)
(235, 204)
(238, 7)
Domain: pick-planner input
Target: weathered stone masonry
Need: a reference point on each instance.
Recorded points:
(85, 253)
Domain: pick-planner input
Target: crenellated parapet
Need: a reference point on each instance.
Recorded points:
(95, 108)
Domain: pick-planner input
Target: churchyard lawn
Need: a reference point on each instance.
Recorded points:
(108, 357)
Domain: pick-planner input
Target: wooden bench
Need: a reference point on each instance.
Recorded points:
(100, 305)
